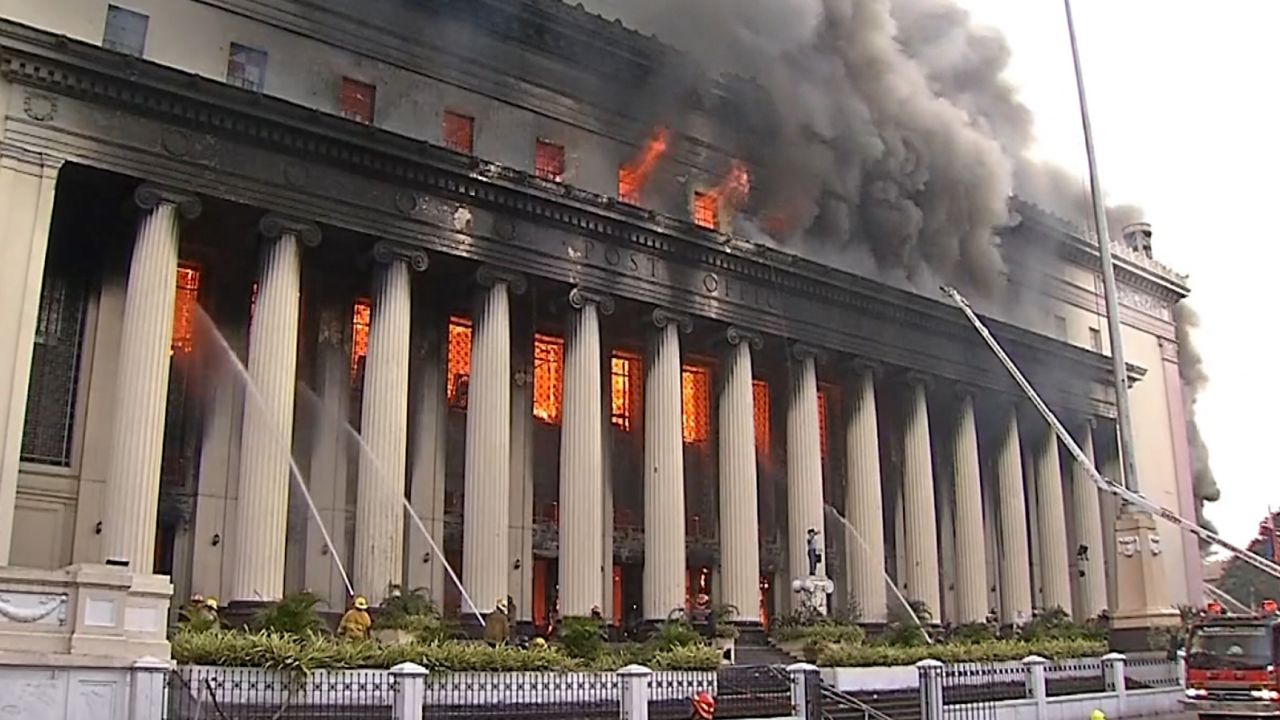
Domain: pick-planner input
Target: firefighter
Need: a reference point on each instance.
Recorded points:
(497, 627)
(704, 706)
(355, 622)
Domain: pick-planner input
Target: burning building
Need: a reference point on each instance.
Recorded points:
(547, 316)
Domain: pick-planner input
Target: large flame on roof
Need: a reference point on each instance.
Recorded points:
(633, 176)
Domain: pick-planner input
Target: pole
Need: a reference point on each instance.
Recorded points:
(1124, 418)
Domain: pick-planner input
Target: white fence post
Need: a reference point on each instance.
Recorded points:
(146, 689)
(1037, 688)
(410, 691)
(633, 682)
(803, 705)
(1113, 674)
(930, 689)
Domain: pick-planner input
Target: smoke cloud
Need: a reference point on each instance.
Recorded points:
(892, 131)
(1194, 379)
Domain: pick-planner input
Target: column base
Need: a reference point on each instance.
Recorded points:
(1142, 592)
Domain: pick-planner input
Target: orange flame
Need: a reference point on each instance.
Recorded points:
(736, 186)
(633, 176)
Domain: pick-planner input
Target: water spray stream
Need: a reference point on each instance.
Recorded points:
(319, 407)
(203, 319)
(888, 581)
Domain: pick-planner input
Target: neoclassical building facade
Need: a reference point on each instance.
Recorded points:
(305, 248)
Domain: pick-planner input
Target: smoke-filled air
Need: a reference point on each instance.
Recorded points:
(893, 131)
(1194, 379)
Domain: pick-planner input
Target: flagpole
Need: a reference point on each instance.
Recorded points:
(1123, 416)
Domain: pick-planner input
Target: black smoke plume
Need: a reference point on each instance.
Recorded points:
(1194, 379)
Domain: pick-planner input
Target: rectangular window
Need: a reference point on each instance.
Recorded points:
(185, 303)
(459, 362)
(1060, 327)
(822, 423)
(55, 368)
(1095, 339)
(361, 321)
(548, 378)
(459, 132)
(126, 31)
(706, 210)
(246, 67)
(695, 388)
(625, 381)
(357, 100)
(628, 185)
(549, 161)
(760, 402)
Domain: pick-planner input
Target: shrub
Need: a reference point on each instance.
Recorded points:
(903, 629)
(972, 634)
(686, 657)
(675, 633)
(823, 632)
(581, 638)
(295, 614)
(395, 612)
(847, 655)
(1052, 624)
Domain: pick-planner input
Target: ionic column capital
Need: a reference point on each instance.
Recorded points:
(663, 317)
(916, 378)
(389, 251)
(274, 225)
(490, 275)
(150, 196)
(580, 297)
(963, 391)
(736, 335)
(804, 351)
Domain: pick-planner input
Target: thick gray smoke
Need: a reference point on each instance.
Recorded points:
(1194, 379)
(893, 130)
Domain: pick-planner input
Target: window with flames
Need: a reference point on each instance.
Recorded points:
(459, 377)
(357, 100)
(822, 423)
(549, 161)
(628, 185)
(459, 132)
(625, 389)
(760, 409)
(548, 378)
(706, 210)
(696, 395)
(185, 304)
(361, 321)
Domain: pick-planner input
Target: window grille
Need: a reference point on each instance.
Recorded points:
(822, 423)
(361, 321)
(125, 31)
(55, 370)
(548, 378)
(706, 210)
(625, 377)
(696, 392)
(760, 402)
(185, 303)
(246, 67)
(459, 132)
(549, 161)
(459, 361)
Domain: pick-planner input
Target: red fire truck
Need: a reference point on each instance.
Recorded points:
(1232, 662)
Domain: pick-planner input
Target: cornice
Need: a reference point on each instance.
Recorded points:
(195, 109)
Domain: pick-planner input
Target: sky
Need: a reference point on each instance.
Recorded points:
(1186, 120)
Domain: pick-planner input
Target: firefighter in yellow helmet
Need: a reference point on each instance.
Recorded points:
(356, 622)
(497, 626)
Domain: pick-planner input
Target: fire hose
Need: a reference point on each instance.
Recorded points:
(1103, 483)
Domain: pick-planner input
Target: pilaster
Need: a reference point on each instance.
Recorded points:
(425, 566)
(921, 530)
(664, 508)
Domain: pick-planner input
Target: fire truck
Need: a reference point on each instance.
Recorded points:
(1232, 662)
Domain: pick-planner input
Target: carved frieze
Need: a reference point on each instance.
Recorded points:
(33, 608)
(1139, 300)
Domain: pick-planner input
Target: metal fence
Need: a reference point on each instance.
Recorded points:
(534, 695)
(1075, 677)
(970, 691)
(200, 693)
(1153, 672)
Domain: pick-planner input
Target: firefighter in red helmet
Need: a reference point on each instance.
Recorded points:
(704, 706)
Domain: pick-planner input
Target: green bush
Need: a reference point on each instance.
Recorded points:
(903, 629)
(295, 614)
(849, 655)
(685, 657)
(822, 632)
(675, 633)
(972, 634)
(581, 638)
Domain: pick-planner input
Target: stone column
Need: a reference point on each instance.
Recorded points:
(582, 457)
(970, 545)
(427, 451)
(133, 476)
(28, 182)
(664, 510)
(1015, 559)
(804, 466)
(520, 510)
(262, 504)
(485, 525)
(921, 529)
(1052, 525)
(1087, 512)
(864, 506)
(739, 509)
(384, 424)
